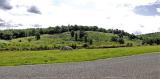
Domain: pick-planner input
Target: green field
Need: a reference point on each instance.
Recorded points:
(12, 58)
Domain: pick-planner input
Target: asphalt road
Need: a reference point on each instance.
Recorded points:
(145, 66)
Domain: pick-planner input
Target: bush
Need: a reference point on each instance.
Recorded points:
(121, 41)
(129, 44)
(114, 39)
(91, 42)
(29, 39)
(85, 45)
(74, 46)
(20, 40)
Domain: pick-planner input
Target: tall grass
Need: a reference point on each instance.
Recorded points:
(9, 58)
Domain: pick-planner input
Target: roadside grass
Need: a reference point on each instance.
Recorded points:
(13, 58)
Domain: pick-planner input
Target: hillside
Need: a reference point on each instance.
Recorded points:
(151, 35)
(55, 41)
(150, 39)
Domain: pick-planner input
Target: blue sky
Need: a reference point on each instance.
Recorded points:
(134, 16)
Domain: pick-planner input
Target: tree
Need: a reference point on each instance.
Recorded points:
(85, 38)
(72, 33)
(74, 46)
(37, 36)
(29, 39)
(81, 34)
(90, 41)
(94, 28)
(7, 35)
(120, 35)
(121, 41)
(129, 44)
(76, 37)
(85, 45)
(114, 39)
(132, 36)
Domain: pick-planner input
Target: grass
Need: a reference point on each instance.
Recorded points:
(150, 35)
(12, 58)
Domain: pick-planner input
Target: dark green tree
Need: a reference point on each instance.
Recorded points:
(76, 37)
(72, 33)
(121, 41)
(114, 39)
(120, 35)
(85, 38)
(90, 41)
(81, 34)
(132, 36)
(37, 36)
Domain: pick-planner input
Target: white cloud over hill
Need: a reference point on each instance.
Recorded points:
(134, 16)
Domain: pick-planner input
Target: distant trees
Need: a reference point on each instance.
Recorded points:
(15, 33)
(117, 39)
(81, 36)
(7, 35)
(132, 36)
(117, 31)
(151, 41)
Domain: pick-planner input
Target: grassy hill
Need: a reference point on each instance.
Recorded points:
(151, 35)
(150, 39)
(56, 41)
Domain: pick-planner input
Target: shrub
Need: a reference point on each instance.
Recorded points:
(74, 46)
(121, 41)
(85, 38)
(91, 42)
(29, 39)
(85, 45)
(129, 44)
(20, 40)
(114, 39)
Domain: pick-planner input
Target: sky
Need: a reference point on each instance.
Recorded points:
(133, 16)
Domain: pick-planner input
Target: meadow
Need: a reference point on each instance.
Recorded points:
(13, 58)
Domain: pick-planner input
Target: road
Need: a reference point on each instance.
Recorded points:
(146, 66)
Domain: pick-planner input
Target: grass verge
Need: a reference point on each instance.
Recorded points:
(13, 58)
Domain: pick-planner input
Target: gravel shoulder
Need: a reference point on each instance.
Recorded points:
(146, 66)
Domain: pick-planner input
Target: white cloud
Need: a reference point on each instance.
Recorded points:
(104, 13)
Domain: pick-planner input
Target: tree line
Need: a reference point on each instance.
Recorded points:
(151, 41)
(18, 33)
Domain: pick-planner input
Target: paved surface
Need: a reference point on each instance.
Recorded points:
(145, 66)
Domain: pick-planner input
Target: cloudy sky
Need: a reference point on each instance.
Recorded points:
(134, 16)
